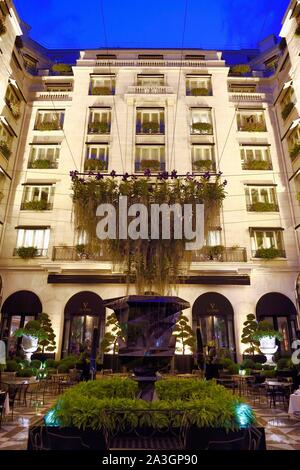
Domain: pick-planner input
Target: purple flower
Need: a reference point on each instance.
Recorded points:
(125, 176)
(220, 173)
(82, 180)
(98, 177)
(206, 175)
(91, 173)
(147, 172)
(113, 173)
(225, 183)
(189, 176)
(174, 174)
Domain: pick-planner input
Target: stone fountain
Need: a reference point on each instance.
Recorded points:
(147, 346)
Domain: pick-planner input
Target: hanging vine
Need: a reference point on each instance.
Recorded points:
(155, 264)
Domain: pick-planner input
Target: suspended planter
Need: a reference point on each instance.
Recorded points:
(153, 264)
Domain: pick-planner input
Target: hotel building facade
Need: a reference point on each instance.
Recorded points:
(94, 115)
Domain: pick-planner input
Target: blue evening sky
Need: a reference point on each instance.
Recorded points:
(152, 23)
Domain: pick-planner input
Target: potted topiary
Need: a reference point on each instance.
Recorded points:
(267, 336)
(31, 334)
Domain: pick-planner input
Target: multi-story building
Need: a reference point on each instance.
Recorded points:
(128, 110)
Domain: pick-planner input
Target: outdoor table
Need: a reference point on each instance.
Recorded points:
(241, 381)
(294, 404)
(273, 385)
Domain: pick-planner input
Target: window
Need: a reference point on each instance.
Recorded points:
(49, 120)
(151, 56)
(97, 157)
(267, 243)
(150, 121)
(213, 238)
(150, 157)
(102, 85)
(106, 56)
(240, 88)
(30, 63)
(58, 86)
(5, 141)
(100, 120)
(150, 80)
(44, 156)
(287, 103)
(261, 199)
(197, 85)
(251, 121)
(255, 158)
(38, 197)
(203, 158)
(194, 57)
(34, 237)
(272, 63)
(201, 121)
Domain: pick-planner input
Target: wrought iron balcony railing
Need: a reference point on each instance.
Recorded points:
(221, 254)
(73, 253)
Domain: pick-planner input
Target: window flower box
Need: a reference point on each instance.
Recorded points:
(102, 90)
(2, 28)
(202, 165)
(41, 164)
(295, 151)
(14, 108)
(257, 165)
(150, 165)
(35, 205)
(199, 92)
(48, 126)
(202, 128)
(27, 252)
(62, 69)
(267, 253)
(240, 69)
(287, 110)
(99, 128)
(253, 127)
(263, 207)
(5, 150)
(95, 164)
(150, 128)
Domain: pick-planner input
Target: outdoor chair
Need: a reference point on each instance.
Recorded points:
(12, 391)
(36, 393)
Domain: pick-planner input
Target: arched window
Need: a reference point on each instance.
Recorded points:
(213, 313)
(84, 313)
(17, 310)
(280, 311)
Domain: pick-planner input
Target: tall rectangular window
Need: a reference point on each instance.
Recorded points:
(267, 243)
(255, 157)
(99, 121)
(150, 121)
(103, 84)
(38, 197)
(201, 121)
(203, 158)
(34, 237)
(251, 121)
(150, 157)
(5, 141)
(49, 120)
(44, 156)
(97, 157)
(261, 198)
(198, 85)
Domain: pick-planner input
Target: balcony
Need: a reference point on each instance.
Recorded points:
(155, 63)
(76, 253)
(99, 128)
(257, 165)
(221, 254)
(262, 207)
(268, 253)
(150, 128)
(36, 206)
(152, 165)
(248, 97)
(51, 96)
(150, 90)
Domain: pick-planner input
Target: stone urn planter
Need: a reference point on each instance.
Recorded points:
(267, 345)
(29, 345)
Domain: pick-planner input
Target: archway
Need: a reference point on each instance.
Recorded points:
(84, 312)
(17, 310)
(280, 311)
(213, 314)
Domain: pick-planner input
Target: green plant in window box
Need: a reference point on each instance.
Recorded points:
(95, 164)
(27, 252)
(63, 69)
(48, 126)
(267, 253)
(150, 127)
(202, 165)
(80, 248)
(2, 28)
(41, 205)
(297, 31)
(199, 91)
(213, 252)
(240, 69)
(202, 127)
(253, 127)
(294, 152)
(252, 164)
(41, 164)
(101, 90)
(14, 108)
(99, 127)
(286, 110)
(263, 207)
(150, 164)
(4, 149)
